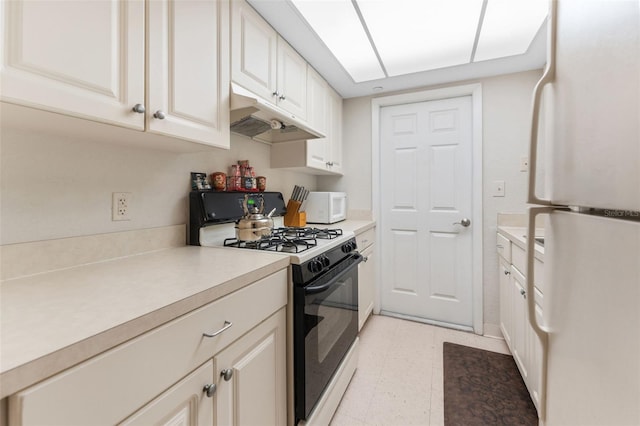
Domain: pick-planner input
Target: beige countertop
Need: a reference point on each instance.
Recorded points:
(357, 226)
(54, 320)
(516, 234)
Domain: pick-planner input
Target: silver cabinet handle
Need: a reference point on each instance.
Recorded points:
(365, 258)
(226, 326)
(522, 292)
(139, 108)
(275, 93)
(159, 115)
(507, 272)
(464, 222)
(330, 163)
(226, 374)
(209, 389)
(281, 97)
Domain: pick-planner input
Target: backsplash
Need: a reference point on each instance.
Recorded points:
(18, 260)
(58, 187)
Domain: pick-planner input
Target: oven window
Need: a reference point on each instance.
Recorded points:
(331, 314)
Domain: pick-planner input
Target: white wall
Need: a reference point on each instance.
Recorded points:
(55, 187)
(506, 103)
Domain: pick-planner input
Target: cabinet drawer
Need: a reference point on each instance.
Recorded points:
(503, 247)
(111, 386)
(366, 238)
(519, 260)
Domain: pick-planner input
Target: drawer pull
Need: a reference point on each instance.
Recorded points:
(506, 272)
(227, 324)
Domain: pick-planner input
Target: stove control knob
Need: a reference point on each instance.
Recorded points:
(325, 261)
(315, 266)
(349, 247)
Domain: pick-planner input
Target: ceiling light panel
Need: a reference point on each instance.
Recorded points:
(509, 26)
(420, 35)
(338, 26)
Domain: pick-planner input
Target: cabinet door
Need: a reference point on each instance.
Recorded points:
(520, 323)
(185, 403)
(43, 42)
(317, 100)
(253, 51)
(335, 138)
(253, 390)
(188, 76)
(292, 80)
(366, 285)
(506, 303)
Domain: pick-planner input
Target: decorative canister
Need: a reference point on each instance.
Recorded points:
(219, 181)
(262, 183)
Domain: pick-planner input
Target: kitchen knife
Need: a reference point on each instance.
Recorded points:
(304, 200)
(296, 193)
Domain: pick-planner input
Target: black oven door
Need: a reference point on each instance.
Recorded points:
(325, 326)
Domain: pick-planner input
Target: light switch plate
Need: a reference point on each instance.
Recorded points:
(524, 164)
(498, 188)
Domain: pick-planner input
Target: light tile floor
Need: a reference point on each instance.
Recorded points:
(399, 377)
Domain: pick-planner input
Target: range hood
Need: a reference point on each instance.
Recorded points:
(254, 117)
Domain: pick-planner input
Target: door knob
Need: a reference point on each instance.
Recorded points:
(464, 222)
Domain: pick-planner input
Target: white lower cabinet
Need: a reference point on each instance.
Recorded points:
(523, 342)
(175, 374)
(366, 275)
(251, 377)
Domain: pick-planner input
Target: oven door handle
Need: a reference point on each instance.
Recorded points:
(313, 289)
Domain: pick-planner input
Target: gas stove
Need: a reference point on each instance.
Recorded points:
(212, 217)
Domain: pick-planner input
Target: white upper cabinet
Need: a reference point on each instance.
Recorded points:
(254, 51)
(334, 132)
(87, 59)
(80, 58)
(292, 80)
(264, 63)
(321, 156)
(188, 72)
(316, 100)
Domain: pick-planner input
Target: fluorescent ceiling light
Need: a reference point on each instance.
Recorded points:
(509, 26)
(417, 35)
(338, 26)
(374, 39)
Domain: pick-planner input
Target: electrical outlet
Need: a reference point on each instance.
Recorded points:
(120, 206)
(524, 164)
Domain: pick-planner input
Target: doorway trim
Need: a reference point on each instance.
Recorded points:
(475, 91)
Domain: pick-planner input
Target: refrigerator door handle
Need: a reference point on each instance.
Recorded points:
(540, 330)
(531, 303)
(547, 77)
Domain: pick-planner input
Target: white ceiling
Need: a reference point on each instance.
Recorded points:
(287, 20)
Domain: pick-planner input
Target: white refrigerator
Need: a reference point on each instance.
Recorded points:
(586, 119)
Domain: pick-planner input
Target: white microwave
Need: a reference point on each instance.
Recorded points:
(326, 207)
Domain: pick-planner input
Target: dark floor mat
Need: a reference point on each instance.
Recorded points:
(484, 388)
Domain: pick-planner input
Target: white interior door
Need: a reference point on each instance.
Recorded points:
(426, 175)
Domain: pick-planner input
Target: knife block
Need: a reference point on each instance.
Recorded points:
(294, 217)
